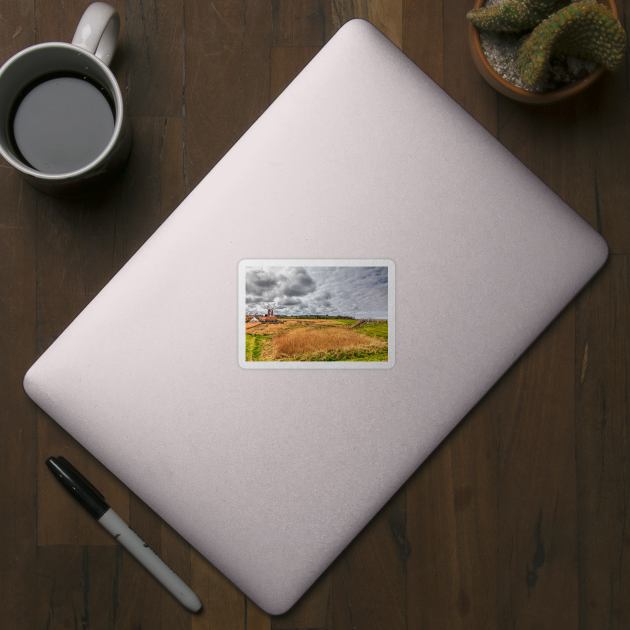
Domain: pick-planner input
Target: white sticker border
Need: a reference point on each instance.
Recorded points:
(315, 262)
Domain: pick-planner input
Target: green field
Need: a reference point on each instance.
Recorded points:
(374, 329)
(366, 354)
(254, 345)
(259, 346)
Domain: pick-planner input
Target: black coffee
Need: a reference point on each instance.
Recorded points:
(61, 123)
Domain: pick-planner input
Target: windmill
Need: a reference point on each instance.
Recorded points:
(270, 306)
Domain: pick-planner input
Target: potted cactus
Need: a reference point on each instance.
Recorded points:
(558, 49)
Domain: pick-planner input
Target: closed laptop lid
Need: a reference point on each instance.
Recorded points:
(366, 169)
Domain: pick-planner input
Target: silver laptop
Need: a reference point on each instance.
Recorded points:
(397, 260)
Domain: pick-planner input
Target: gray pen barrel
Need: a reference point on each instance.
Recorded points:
(149, 559)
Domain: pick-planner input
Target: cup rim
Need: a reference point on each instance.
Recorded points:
(118, 122)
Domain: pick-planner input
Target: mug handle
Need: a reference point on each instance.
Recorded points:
(98, 30)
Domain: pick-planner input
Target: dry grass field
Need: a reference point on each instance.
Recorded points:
(317, 340)
(308, 340)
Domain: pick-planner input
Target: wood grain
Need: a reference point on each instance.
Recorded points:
(154, 57)
(76, 587)
(57, 22)
(61, 521)
(386, 15)
(151, 187)
(369, 577)
(285, 64)
(537, 510)
(224, 606)
(422, 36)
(18, 416)
(226, 78)
(313, 609)
(602, 380)
(517, 520)
(609, 133)
(573, 149)
(462, 81)
(452, 515)
(144, 600)
(300, 22)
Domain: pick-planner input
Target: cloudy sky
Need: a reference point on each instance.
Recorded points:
(356, 291)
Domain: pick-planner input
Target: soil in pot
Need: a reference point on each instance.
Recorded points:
(501, 49)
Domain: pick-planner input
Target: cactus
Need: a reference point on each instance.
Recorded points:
(584, 29)
(513, 16)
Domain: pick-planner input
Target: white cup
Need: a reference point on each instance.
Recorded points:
(88, 57)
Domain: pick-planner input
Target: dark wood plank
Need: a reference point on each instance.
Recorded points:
(224, 606)
(300, 22)
(285, 64)
(558, 147)
(142, 600)
(18, 423)
(572, 147)
(255, 618)
(226, 78)
(60, 519)
(18, 415)
(57, 22)
(609, 134)
(76, 587)
(74, 248)
(386, 15)
(171, 159)
(369, 577)
(17, 28)
(461, 78)
(608, 126)
(152, 185)
(89, 220)
(537, 537)
(578, 148)
(452, 527)
(603, 443)
(313, 610)
(422, 36)
(154, 57)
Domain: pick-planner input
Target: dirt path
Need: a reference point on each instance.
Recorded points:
(249, 325)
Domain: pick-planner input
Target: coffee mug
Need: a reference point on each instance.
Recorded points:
(62, 114)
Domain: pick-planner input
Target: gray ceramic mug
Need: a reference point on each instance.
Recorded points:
(86, 60)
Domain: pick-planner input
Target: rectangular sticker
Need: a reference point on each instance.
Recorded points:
(314, 314)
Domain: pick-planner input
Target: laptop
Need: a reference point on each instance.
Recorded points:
(397, 260)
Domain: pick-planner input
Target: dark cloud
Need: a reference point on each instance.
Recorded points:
(260, 282)
(288, 301)
(358, 291)
(298, 283)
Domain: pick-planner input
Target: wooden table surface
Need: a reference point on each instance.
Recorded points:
(518, 520)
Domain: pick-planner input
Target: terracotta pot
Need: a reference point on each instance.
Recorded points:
(518, 94)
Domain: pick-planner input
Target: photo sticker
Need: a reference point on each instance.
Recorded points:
(316, 314)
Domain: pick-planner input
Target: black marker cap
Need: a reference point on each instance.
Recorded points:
(78, 486)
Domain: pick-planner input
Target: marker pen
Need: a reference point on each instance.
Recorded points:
(94, 502)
